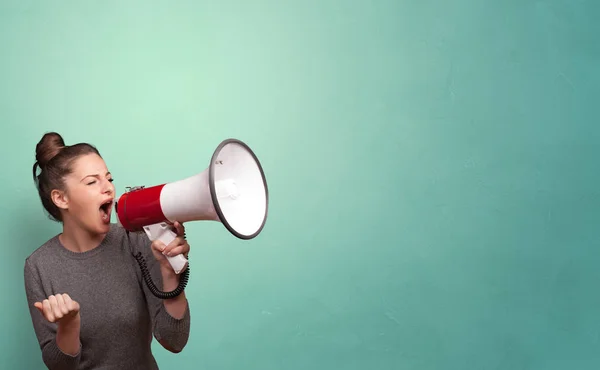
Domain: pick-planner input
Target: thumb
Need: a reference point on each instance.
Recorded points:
(39, 306)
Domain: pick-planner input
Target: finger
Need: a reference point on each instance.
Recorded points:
(179, 228)
(48, 310)
(68, 301)
(158, 246)
(61, 306)
(182, 249)
(174, 243)
(71, 305)
(56, 311)
(176, 247)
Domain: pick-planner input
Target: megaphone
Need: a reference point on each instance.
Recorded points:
(231, 190)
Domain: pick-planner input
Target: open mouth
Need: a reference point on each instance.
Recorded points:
(105, 209)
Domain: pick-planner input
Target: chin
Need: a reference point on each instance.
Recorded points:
(101, 228)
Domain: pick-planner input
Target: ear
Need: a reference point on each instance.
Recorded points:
(60, 199)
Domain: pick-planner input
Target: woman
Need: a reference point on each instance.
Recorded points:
(89, 303)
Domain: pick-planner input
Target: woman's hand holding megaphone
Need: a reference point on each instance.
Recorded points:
(177, 306)
(179, 245)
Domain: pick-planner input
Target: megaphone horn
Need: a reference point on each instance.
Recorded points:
(232, 190)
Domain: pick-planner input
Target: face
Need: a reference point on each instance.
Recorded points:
(89, 196)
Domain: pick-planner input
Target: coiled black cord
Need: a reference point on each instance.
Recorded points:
(183, 280)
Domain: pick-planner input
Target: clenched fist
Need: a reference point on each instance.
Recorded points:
(58, 308)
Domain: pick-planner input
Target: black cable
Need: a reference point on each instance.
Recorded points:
(183, 280)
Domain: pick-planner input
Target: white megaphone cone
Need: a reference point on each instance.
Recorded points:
(232, 190)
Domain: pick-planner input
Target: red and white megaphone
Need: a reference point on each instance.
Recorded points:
(232, 190)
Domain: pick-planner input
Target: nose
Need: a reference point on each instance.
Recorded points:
(109, 188)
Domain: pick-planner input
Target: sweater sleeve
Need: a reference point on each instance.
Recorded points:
(170, 331)
(45, 331)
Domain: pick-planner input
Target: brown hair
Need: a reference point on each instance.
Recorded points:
(55, 160)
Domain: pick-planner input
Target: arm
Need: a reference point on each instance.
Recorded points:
(170, 317)
(176, 307)
(60, 345)
(67, 336)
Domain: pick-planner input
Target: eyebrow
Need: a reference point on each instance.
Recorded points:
(94, 175)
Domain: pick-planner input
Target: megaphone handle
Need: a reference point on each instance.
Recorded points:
(163, 232)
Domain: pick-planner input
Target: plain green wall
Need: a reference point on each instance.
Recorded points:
(433, 171)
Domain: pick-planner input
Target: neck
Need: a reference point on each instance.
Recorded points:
(77, 239)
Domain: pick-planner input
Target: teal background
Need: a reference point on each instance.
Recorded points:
(432, 166)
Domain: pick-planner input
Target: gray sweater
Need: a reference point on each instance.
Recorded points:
(119, 315)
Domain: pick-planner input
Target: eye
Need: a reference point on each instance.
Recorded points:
(111, 180)
(91, 182)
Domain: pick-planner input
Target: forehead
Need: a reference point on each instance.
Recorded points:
(90, 164)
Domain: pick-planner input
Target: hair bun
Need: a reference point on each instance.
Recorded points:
(49, 146)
